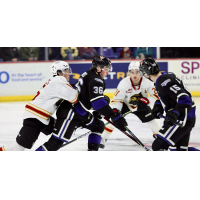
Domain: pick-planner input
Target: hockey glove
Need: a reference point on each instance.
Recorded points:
(142, 104)
(171, 117)
(97, 115)
(107, 99)
(135, 99)
(157, 109)
(119, 121)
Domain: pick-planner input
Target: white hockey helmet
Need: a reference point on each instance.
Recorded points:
(134, 66)
(60, 66)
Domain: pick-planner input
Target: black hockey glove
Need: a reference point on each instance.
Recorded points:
(135, 99)
(157, 109)
(97, 115)
(107, 99)
(142, 104)
(119, 121)
(171, 117)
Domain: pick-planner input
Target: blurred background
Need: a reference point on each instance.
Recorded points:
(14, 54)
(23, 70)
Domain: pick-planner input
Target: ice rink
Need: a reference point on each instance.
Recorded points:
(12, 118)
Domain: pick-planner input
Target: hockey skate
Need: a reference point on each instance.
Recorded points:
(102, 143)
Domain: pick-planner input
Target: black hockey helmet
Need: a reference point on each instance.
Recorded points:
(101, 61)
(149, 66)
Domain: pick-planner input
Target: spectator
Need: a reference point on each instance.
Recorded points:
(53, 53)
(125, 53)
(29, 53)
(69, 53)
(9, 54)
(143, 52)
(87, 52)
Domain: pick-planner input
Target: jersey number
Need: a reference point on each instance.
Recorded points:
(98, 90)
(175, 88)
(79, 84)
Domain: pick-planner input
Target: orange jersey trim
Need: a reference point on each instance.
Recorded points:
(75, 100)
(39, 112)
(70, 86)
(32, 105)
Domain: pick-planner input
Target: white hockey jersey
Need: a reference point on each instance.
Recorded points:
(43, 104)
(126, 89)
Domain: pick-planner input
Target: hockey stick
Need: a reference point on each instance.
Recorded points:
(124, 115)
(176, 123)
(138, 141)
(85, 134)
(132, 136)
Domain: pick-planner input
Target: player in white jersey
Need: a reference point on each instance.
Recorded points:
(37, 115)
(132, 95)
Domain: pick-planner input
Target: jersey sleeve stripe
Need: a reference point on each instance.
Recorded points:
(91, 100)
(181, 95)
(70, 86)
(34, 106)
(37, 112)
(184, 100)
(75, 100)
(155, 96)
(99, 103)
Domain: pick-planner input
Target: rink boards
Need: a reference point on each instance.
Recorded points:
(21, 81)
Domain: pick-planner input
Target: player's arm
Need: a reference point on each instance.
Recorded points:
(177, 93)
(153, 95)
(67, 92)
(101, 106)
(119, 96)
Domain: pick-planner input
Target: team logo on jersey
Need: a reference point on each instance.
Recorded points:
(165, 82)
(102, 57)
(99, 80)
(128, 91)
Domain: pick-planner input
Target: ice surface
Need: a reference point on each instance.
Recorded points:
(12, 117)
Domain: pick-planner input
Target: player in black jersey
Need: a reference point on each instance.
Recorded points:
(90, 86)
(177, 102)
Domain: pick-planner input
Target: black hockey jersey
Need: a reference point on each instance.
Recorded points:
(91, 87)
(174, 95)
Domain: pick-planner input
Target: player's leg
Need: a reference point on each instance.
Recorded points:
(110, 128)
(65, 125)
(183, 143)
(171, 135)
(146, 117)
(27, 135)
(94, 139)
(48, 129)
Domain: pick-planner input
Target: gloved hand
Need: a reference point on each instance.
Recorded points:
(142, 104)
(157, 109)
(107, 99)
(119, 121)
(135, 99)
(171, 117)
(97, 115)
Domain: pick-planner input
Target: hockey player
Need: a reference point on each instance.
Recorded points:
(177, 102)
(132, 95)
(37, 115)
(90, 86)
